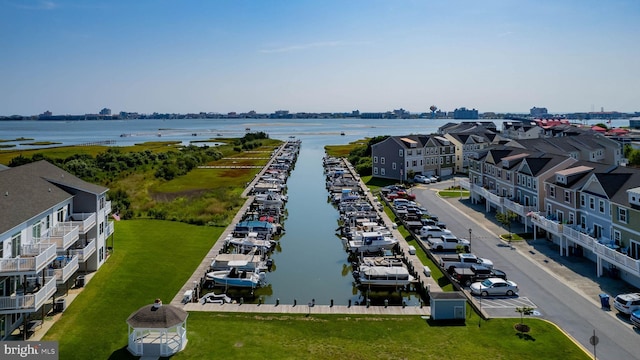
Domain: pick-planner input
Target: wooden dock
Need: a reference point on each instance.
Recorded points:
(311, 310)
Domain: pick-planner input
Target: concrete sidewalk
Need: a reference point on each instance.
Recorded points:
(577, 272)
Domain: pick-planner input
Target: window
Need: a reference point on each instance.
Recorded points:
(375, 170)
(622, 215)
(572, 218)
(382, 172)
(567, 196)
(101, 228)
(375, 159)
(616, 237)
(393, 165)
(552, 191)
(36, 231)
(601, 206)
(60, 215)
(582, 200)
(401, 153)
(592, 203)
(508, 175)
(382, 160)
(101, 203)
(415, 163)
(16, 242)
(47, 223)
(419, 151)
(409, 152)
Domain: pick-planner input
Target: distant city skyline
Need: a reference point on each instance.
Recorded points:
(504, 56)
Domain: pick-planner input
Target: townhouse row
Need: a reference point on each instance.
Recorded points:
(53, 228)
(588, 208)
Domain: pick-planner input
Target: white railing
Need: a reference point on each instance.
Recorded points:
(579, 237)
(29, 302)
(618, 259)
(518, 208)
(63, 235)
(84, 253)
(84, 221)
(63, 274)
(464, 183)
(107, 207)
(546, 224)
(33, 258)
(109, 229)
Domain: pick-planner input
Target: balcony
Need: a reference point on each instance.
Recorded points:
(496, 199)
(31, 301)
(546, 224)
(62, 268)
(464, 183)
(617, 258)
(107, 207)
(577, 235)
(83, 251)
(84, 221)
(32, 259)
(63, 235)
(518, 208)
(109, 229)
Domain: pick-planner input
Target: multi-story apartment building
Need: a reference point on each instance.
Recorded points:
(52, 224)
(398, 156)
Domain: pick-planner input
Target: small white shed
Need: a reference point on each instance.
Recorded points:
(449, 305)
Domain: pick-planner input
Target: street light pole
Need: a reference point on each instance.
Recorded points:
(469, 239)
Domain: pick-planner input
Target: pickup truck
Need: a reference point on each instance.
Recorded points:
(448, 242)
(448, 263)
(467, 276)
(427, 232)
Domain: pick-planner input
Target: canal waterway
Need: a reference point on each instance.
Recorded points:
(310, 261)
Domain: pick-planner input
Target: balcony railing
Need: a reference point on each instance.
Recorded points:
(33, 258)
(63, 235)
(30, 302)
(546, 224)
(84, 252)
(579, 237)
(518, 208)
(84, 221)
(496, 199)
(66, 267)
(618, 259)
(464, 183)
(107, 207)
(109, 229)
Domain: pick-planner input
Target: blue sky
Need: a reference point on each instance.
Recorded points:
(75, 57)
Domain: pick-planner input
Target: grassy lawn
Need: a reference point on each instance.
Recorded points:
(151, 259)
(268, 336)
(453, 193)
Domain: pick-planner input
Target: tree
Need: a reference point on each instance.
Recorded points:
(524, 310)
(505, 218)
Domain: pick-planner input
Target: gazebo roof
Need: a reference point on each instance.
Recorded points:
(157, 317)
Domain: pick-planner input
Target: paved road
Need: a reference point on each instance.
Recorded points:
(555, 298)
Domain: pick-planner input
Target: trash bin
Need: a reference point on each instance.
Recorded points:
(60, 304)
(604, 301)
(80, 281)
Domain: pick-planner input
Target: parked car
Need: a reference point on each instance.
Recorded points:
(627, 303)
(433, 231)
(635, 318)
(421, 179)
(433, 179)
(494, 286)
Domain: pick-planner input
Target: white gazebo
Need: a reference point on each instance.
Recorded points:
(157, 330)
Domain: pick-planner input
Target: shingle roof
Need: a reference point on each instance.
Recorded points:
(157, 317)
(31, 189)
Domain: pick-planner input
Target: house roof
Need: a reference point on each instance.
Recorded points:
(157, 317)
(29, 190)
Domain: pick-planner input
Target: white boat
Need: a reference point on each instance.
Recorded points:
(249, 262)
(213, 298)
(373, 241)
(235, 278)
(250, 242)
(383, 276)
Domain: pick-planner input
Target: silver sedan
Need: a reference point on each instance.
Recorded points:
(494, 286)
